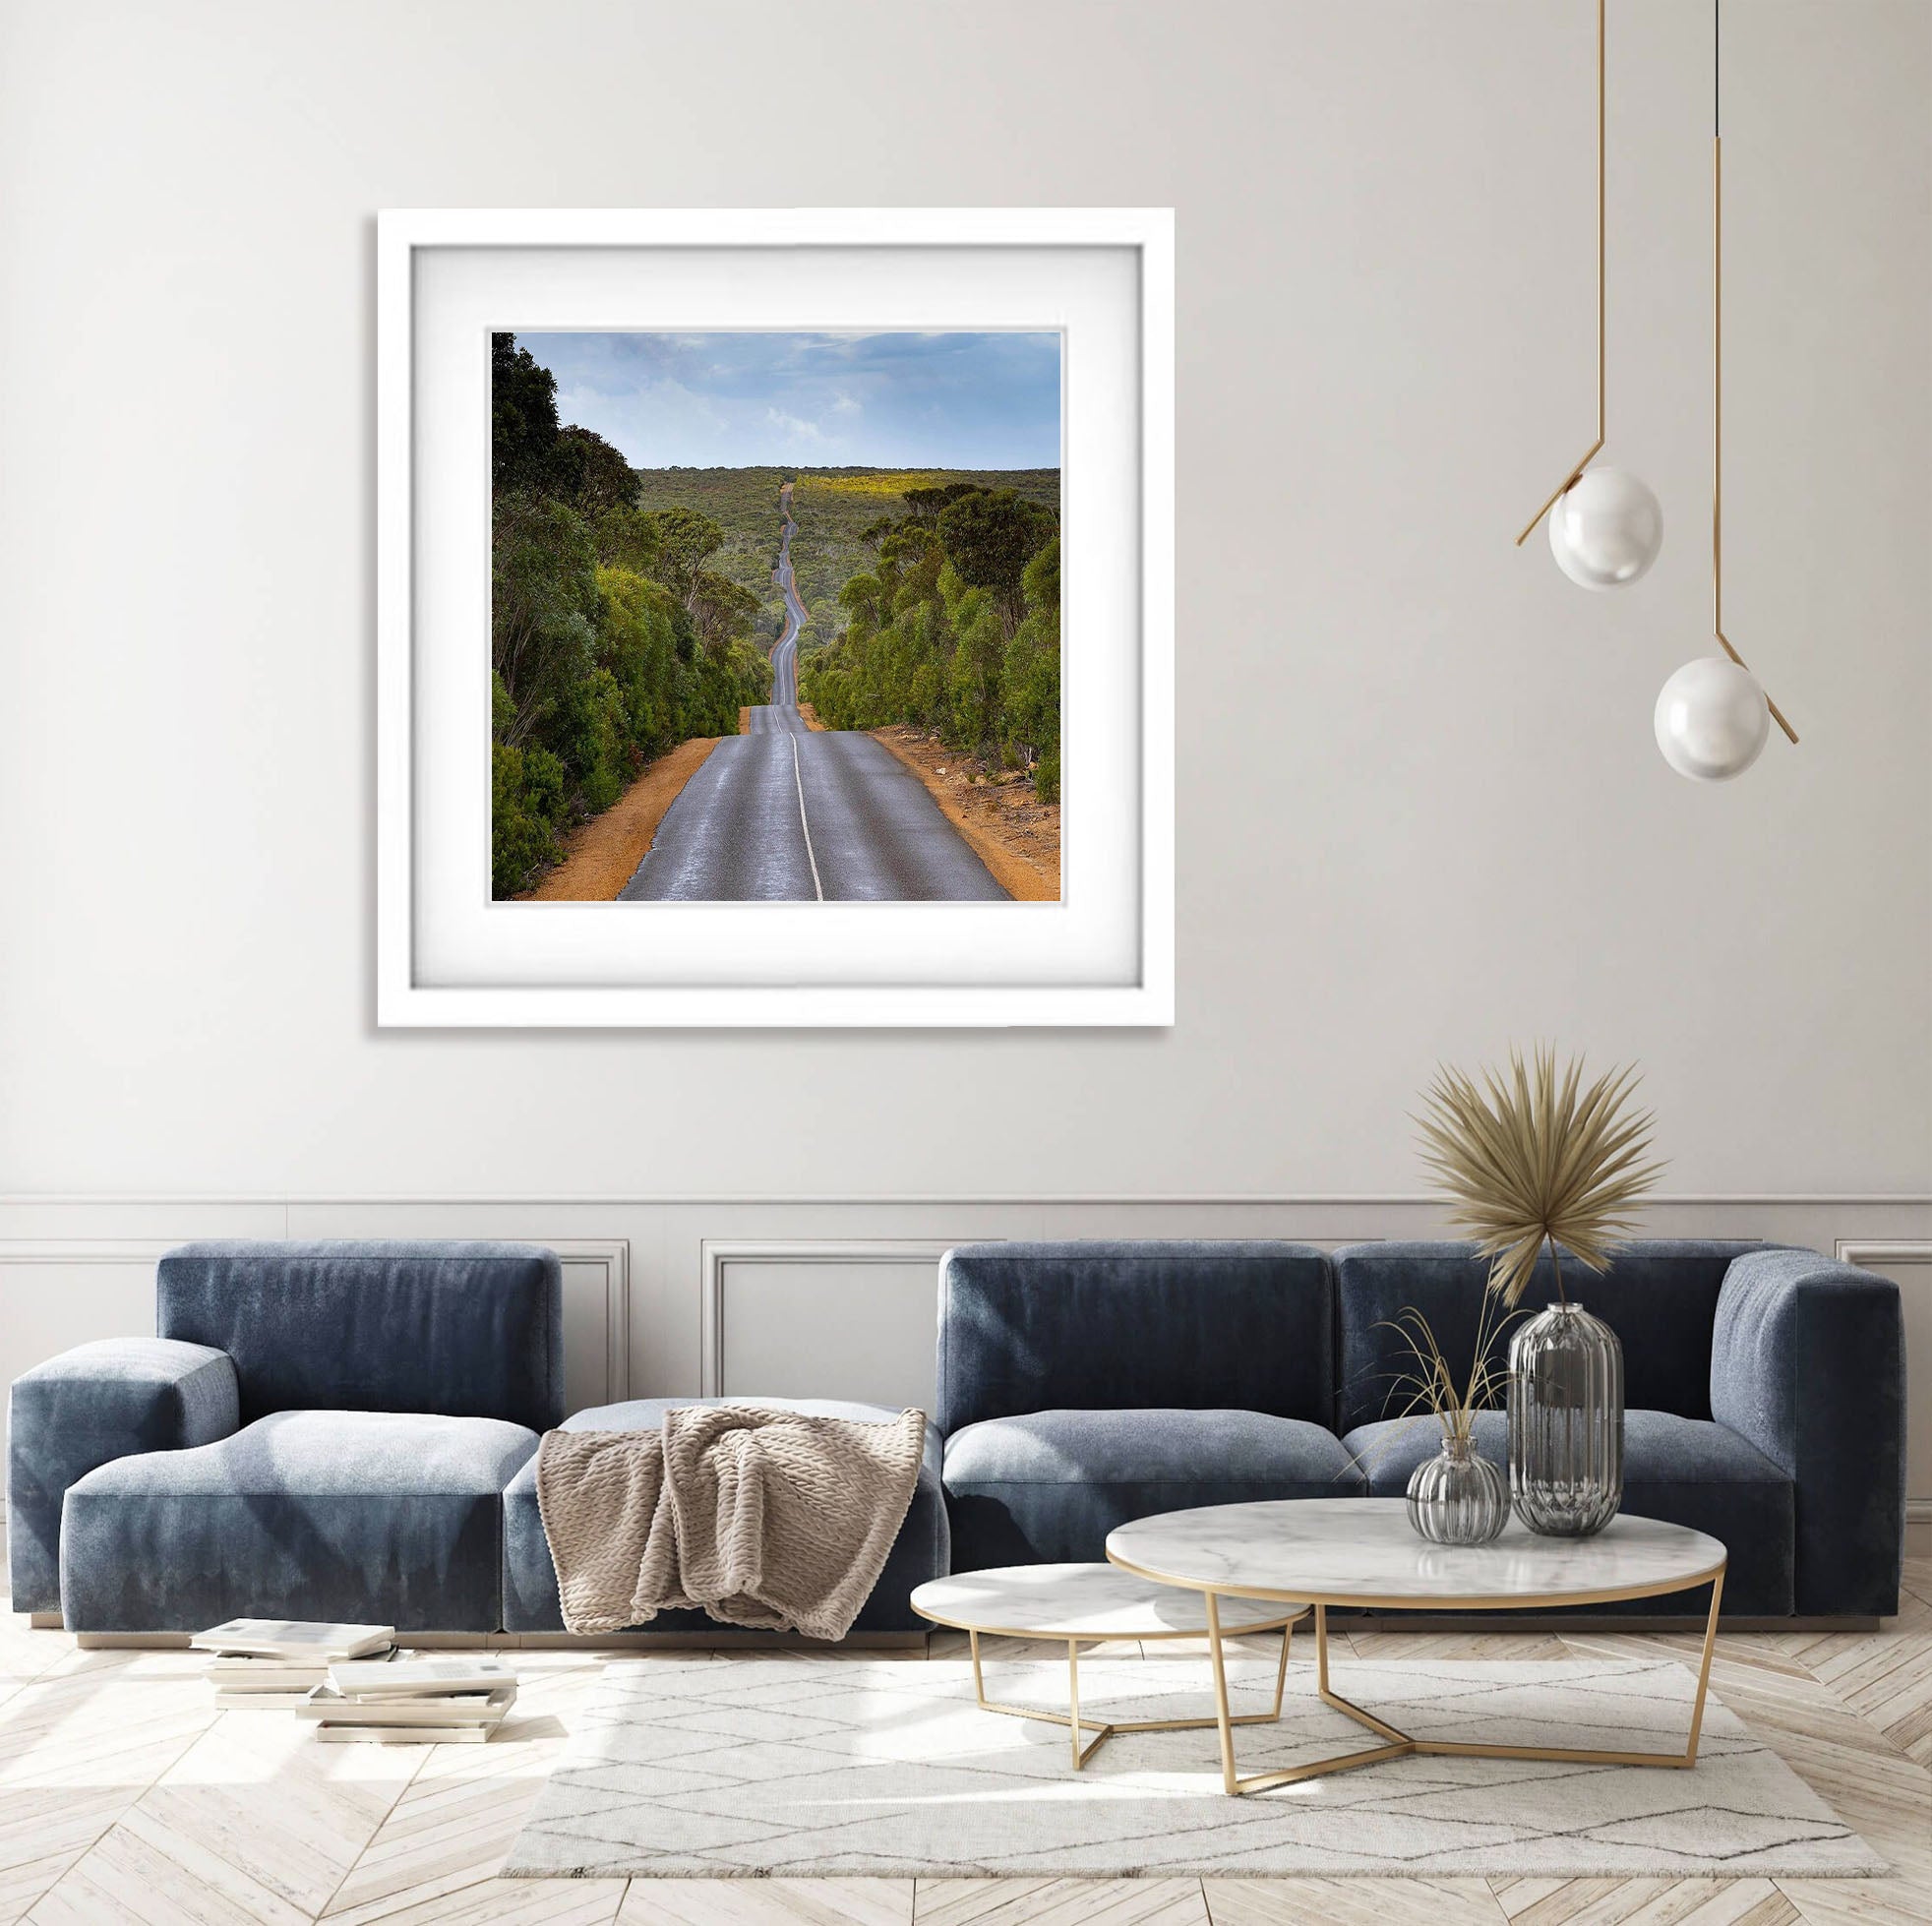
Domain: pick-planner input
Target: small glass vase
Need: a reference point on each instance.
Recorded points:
(1458, 1497)
(1566, 1422)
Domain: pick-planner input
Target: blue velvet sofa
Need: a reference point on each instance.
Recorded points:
(1084, 1384)
(348, 1432)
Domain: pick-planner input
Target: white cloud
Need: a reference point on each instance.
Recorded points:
(846, 405)
(793, 425)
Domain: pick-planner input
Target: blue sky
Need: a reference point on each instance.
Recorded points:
(815, 401)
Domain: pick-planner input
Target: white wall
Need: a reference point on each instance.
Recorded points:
(1420, 813)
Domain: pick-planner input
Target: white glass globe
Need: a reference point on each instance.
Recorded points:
(1711, 719)
(1606, 530)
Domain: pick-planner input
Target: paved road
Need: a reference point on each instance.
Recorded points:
(788, 814)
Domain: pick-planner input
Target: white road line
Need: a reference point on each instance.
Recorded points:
(805, 825)
(778, 688)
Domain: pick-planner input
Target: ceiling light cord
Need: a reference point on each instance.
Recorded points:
(1595, 447)
(1718, 360)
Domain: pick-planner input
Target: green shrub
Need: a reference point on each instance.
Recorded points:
(1031, 678)
(544, 609)
(973, 681)
(638, 634)
(595, 741)
(526, 814)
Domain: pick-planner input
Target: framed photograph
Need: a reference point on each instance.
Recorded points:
(775, 616)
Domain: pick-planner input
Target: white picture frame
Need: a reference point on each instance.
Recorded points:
(445, 956)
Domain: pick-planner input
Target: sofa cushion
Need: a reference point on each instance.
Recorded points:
(1049, 1486)
(1659, 1296)
(921, 1552)
(474, 1329)
(1029, 1327)
(1682, 1469)
(96, 1402)
(382, 1517)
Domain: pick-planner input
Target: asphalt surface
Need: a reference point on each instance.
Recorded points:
(787, 814)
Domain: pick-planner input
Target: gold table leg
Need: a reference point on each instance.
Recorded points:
(1400, 1745)
(1103, 1729)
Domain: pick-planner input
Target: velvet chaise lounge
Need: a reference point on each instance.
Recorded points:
(317, 1432)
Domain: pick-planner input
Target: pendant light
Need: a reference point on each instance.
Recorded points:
(1713, 716)
(1604, 525)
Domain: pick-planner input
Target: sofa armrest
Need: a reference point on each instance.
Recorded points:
(92, 1404)
(1808, 1364)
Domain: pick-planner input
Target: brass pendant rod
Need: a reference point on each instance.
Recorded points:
(1718, 376)
(1570, 480)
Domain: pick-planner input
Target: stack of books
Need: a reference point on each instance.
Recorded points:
(417, 1698)
(272, 1664)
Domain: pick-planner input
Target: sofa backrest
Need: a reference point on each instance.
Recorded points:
(1659, 1296)
(1027, 1327)
(468, 1330)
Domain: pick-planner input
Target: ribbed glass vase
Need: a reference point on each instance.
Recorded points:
(1458, 1497)
(1566, 1422)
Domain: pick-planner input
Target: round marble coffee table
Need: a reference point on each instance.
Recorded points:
(1087, 1605)
(1362, 1553)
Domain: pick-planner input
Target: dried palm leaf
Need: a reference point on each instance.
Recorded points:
(1429, 1384)
(1529, 1159)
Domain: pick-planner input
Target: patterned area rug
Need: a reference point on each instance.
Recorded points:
(808, 1767)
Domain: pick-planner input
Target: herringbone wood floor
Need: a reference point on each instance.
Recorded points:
(124, 1796)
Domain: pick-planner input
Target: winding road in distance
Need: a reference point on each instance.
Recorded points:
(788, 814)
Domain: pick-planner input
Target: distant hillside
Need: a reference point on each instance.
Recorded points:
(744, 502)
(830, 506)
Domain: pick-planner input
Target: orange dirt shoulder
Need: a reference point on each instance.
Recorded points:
(603, 855)
(1016, 836)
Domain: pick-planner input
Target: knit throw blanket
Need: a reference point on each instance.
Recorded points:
(763, 1517)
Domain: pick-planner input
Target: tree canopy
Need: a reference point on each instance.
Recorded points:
(990, 538)
(926, 505)
(685, 540)
(523, 416)
(590, 472)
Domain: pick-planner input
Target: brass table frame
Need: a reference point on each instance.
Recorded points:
(1103, 1729)
(1398, 1744)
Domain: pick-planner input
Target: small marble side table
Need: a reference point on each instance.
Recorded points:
(1088, 1604)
